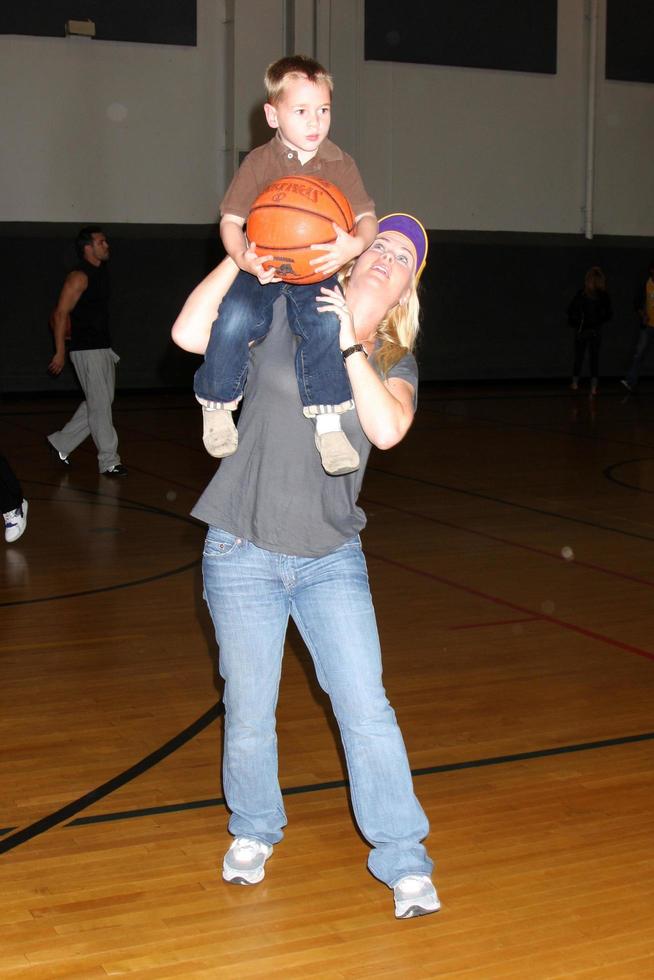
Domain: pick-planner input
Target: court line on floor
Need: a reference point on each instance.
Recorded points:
(497, 622)
(524, 610)
(497, 760)
(123, 503)
(147, 762)
(555, 556)
(608, 473)
(64, 813)
(511, 503)
(104, 588)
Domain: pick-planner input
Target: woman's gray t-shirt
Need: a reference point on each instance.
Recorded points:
(273, 491)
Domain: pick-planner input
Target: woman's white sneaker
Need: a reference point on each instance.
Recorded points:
(244, 862)
(415, 895)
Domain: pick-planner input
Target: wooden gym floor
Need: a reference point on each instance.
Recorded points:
(510, 544)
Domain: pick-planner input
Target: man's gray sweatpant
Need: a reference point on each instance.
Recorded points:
(96, 370)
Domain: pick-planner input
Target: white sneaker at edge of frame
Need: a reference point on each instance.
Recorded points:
(415, 895)
(244, 862)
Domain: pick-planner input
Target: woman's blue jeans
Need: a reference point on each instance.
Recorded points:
(251, 593)
(245, 316)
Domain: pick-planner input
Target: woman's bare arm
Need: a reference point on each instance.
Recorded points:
(385, 408)
(192, 327)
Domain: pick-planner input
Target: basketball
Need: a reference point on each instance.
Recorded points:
(292, 214)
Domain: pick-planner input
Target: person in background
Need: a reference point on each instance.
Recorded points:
(85, 300)
(588, 311)
(644, 306)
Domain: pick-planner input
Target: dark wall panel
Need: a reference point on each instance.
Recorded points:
(494, 302)
(630, 40)
(511, 35)
(147, 21)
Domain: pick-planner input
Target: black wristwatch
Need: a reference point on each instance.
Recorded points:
(353, 349)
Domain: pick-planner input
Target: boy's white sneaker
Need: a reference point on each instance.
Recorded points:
(337, 454)
(15, 522)
(219, 434)
(244, 862)
(415, 895)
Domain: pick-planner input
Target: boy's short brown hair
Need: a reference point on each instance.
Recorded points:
(294, 66)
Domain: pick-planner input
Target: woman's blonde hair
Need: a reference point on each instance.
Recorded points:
(594, 279)
(398, 331)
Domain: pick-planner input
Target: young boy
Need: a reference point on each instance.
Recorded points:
(299, 104)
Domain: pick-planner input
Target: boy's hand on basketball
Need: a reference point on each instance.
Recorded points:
(337, 253)
(250, 262)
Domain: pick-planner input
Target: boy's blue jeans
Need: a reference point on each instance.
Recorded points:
(245, 316)
(251, 593)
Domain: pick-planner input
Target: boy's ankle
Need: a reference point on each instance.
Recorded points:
(329, 422)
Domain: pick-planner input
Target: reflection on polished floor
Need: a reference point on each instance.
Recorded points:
(510, 545)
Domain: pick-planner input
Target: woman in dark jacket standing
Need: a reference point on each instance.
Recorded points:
(589, 309)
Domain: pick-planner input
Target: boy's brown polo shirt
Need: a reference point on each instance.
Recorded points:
(274, 160)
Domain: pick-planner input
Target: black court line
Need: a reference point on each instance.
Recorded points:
(104, 588)
(70, 809)
(497, 760)
(609, 474)
(104, 499)
(511, 503)
(123, 502)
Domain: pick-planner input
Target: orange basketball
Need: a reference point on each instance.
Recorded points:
(292, 214)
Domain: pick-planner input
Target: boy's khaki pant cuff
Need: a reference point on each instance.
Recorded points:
(310, 411)
(215, 406)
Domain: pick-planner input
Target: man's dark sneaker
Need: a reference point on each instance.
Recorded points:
(117, 470)
(63, 460)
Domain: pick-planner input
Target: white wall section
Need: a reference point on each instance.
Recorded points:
(138, 133)
(109, 131)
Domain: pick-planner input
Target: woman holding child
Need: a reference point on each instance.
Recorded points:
(283, 540)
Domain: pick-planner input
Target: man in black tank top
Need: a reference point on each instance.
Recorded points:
(84, 307)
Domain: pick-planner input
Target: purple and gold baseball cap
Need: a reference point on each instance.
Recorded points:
(412, 229)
